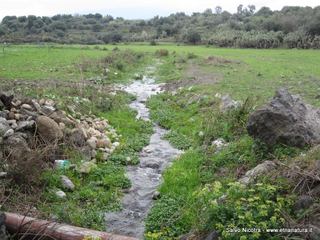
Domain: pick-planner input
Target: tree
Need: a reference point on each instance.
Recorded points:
(218, 10)
(252, 9)
(193, 37)
(264, 11)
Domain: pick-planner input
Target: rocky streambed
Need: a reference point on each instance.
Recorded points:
(147, 176)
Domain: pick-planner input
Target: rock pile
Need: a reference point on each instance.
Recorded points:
(286, 119)
(26, 123)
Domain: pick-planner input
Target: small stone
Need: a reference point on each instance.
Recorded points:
(201, 134)
(92, 142)
(61, 194)
(93, 153)
(67, 183)
(4, 126)
(11, 115)
(105, 156)
(47, 109)
(156, 195)
(42, 101)
(219, 144)
(36, 105)
(25, 125)
(87, 167)
(116, 144)
(62, 125)
(49, 102)
(103, 143)
(18, 116)
(26, 106)
(260, 169)
(3, 174)
(227, 103)
(16, 103)
(77, 138)
(8, 133)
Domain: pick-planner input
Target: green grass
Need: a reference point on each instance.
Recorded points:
(191, 111)
(200, 176)
(95, 193)
(71, 63)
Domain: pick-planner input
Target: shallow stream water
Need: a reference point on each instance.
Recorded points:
(146, 177)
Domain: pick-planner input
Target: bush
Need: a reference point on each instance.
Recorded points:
(162, 53)
(257, 207)
(164, 220)
(193, 37)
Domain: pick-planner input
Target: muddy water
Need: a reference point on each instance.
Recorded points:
(146, 177)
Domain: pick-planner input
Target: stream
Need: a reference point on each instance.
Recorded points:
(146, 177)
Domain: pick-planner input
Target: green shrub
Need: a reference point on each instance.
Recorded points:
(178, 140)
(258, 206)
(164, 221)
(162, 53)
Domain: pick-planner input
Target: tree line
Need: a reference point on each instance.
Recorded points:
(291, 27)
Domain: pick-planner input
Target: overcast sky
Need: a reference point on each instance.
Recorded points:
(133, 9)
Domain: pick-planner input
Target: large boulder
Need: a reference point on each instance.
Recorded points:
(48, 129)
(286, 119)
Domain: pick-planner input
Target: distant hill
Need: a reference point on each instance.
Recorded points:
(292, 27)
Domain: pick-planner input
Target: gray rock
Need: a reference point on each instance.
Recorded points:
(77, 137)
(87, 167)
(303, 202)
(156, 195)
(3, 114)
(67, 183)
(8, 133)
(92, 142)
(61, 194)
(26, 107)
(4, 126)
(287, 120)
(16, 146)
(24, 125)
(219, 144)
(36, 105)
(48, 129)
(260, 169)
(3, 174)
(227, 103)
(48, 110)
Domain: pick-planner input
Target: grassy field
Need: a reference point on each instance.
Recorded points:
(190, 110)
(250, 71)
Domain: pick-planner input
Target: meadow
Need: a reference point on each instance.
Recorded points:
(190, 110)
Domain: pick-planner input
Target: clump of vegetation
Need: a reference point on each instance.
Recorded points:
(258, 207)
(162, 53)
(178, 140)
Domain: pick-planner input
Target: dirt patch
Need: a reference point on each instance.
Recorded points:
(194, 75)
(213, 60)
